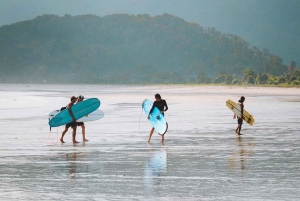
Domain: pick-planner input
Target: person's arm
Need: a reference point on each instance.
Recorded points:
(165, 106)
(71, 113)
(151, 110)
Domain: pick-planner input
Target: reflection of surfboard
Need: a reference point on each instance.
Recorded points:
(79, 110)
(155, 169)
(156, 119)
(236, 109)
(96, 115)
(157, 163)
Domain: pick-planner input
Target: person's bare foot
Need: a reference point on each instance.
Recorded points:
(74, 142)
(163, 143)
(239, 134)
(85, 140)
(61, 140)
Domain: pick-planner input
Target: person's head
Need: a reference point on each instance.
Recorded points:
(157, 97)
(80, 98)
(242, 99)
(73, 99)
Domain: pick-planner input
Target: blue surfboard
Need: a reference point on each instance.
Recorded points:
(79, 110)
(156, 119)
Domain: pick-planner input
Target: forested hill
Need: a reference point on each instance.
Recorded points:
(123, 49)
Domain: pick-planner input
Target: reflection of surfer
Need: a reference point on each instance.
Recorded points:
(72, 124)
(163, 107)
(72, 157)
(155, 168)
(242, 153)
(80, 98)
(240, 119)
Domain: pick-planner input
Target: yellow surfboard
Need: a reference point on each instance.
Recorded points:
(236, 109)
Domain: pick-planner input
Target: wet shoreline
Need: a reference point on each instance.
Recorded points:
(202, 158)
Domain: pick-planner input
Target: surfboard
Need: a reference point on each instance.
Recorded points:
(96, 115)
(79, 110)
(156, 119)
(236, 109)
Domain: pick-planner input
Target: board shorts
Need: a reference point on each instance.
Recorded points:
(240, 121)
(72, 124)
(80, 123)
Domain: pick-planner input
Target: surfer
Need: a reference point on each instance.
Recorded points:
(240, 119)
(73, 124)
(163, 107)
(79, 99)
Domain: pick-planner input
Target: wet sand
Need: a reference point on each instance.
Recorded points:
(202, 158)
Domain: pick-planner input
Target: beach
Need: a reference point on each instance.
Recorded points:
(202, 157)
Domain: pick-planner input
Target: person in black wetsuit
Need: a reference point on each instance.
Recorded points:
(81, 124)
(72, 124)
(163, 107)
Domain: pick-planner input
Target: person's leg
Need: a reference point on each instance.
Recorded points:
(83, 133)
(74, 134)
(63, 134)
(237, 130)
(240, 128)
(162, 139)
(240, 122)
(151, 133)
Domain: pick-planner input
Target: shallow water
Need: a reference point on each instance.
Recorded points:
(202, 158)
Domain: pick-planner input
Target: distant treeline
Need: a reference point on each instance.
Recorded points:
(127, 49)
(250, 77)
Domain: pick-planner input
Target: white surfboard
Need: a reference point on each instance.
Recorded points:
(96, 115)
(236, 109)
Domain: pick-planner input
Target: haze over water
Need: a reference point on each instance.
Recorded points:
(202, 158)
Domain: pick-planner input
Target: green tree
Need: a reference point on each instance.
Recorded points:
(263, 78)
(282, 80)
(296, 73)
(249, 72)
(258, 78)
(251, 80)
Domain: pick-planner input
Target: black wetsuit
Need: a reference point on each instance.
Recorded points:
(161, 104)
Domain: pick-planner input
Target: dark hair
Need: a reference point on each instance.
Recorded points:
(157, 96)
(73, 97)
(242, 98)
